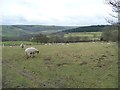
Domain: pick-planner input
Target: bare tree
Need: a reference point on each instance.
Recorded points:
(115, 4)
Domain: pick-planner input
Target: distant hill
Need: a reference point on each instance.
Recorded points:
(94, 28)
(24, 30)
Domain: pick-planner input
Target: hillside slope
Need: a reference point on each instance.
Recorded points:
(24, 30)
(94, 28)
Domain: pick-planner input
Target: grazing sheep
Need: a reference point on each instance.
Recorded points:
(67, 44)
(49, 44)
(108, 43)
(22, 45)
(31, 51)
(10, 46)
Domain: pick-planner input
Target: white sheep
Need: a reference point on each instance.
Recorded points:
(30, 52)
(67, 44)
(108, 43)
(22, 45)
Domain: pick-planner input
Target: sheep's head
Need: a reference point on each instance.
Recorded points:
(22, 46)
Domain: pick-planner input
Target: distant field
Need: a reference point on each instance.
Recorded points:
(7, 43)
(82, 34)
(77, 65)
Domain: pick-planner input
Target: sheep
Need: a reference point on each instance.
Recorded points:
(108, 43)
(22, 45)
(31, 51)
(49, 44)
(67, 44)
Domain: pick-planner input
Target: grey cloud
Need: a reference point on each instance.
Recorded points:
(68, 20)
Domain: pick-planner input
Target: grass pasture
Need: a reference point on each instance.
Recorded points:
(77, 65)
(83, 34)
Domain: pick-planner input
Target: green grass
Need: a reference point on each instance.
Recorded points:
(80, 65)
(83, 34)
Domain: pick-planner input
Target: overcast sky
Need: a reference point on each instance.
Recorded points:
(54, 12)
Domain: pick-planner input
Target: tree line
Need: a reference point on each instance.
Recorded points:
(40, 38)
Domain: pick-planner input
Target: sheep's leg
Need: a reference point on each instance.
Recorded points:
(33, 55)
(28, 55)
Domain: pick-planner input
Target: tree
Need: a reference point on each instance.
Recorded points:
(40, 38)
(109, 34)
(115, 4)
(115, 29)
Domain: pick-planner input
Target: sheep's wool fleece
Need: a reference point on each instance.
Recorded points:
(31, 49)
